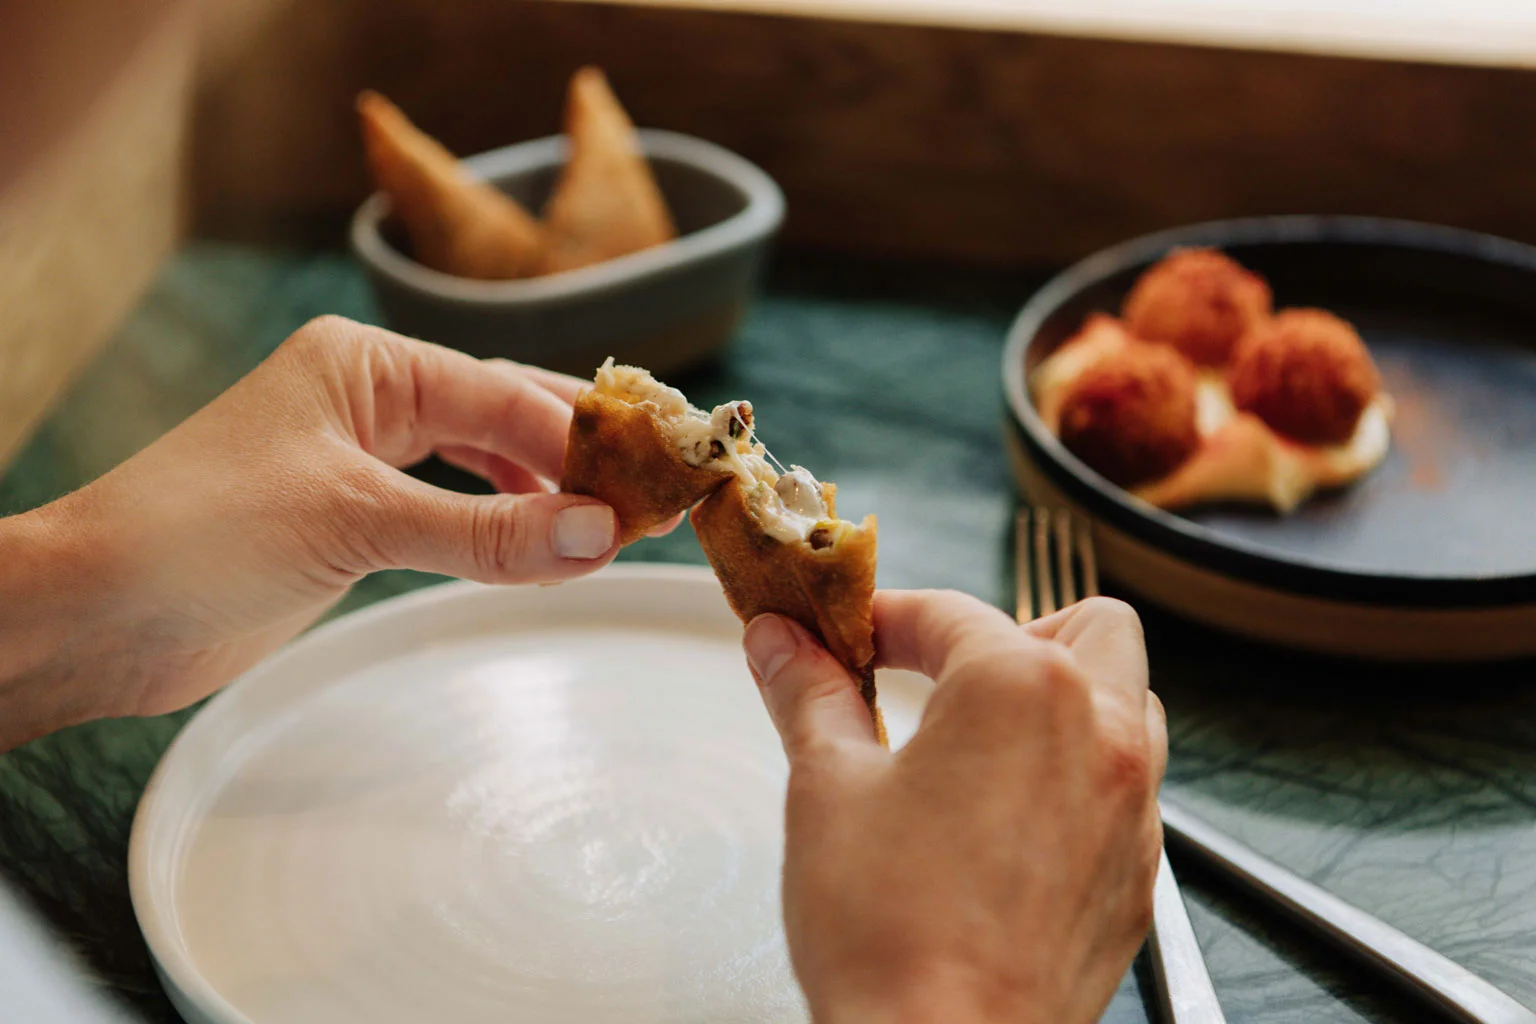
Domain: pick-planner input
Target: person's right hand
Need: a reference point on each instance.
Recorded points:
(1000, 866)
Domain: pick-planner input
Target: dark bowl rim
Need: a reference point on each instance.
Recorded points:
(758, 220)
(1199, 545)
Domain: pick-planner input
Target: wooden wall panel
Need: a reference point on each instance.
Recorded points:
(996, 147)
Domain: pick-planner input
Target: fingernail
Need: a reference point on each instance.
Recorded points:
(583, 531)
(770, 645)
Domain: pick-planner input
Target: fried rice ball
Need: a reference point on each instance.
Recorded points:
(1131, 416)
(1307, 374)
(1198, 300)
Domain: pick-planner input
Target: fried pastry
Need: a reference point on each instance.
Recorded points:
(606, 202)
(777, 546)
(457, 224)
(645, 450)
(774, 539)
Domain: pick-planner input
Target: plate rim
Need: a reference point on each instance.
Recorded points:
(1194, 542)
(185, 985)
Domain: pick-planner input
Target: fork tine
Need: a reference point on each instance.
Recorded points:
(1023, 568)
(1086, 557)
(1045, 593)
(1066, 586)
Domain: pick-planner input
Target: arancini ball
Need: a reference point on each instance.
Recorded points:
(1305, 373)
(1131, 416)
(1200, 301)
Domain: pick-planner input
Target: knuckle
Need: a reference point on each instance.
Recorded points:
(1114, 610)
(1059, 679)
(325, 331)
(346, 518)
(1022, 679)
(499, 538)
(807, 781)
(1127, 767)
(986, 676)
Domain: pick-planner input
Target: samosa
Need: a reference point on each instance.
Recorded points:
(606, 202)
(644, 449)
(774, 539)
(777, 545)
(456, 223)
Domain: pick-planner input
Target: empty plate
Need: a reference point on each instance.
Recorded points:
(535, 804)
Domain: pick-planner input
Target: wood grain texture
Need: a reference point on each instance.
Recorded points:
(987, 146)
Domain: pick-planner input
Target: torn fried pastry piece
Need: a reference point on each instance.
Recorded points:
(606, 202)
(642, 448)
(777, 546)
(457, 224)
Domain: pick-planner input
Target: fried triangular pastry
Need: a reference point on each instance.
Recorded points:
(457, 224)
(642, 448)
(606, 202)
(776, 552)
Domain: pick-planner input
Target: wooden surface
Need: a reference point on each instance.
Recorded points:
(992, 146)
(90, 185)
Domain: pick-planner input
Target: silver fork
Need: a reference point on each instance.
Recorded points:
(1053, 553)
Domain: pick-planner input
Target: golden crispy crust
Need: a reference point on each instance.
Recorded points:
(606, 203)
(456, 224)
(1201, 301)
(1307, 374)
(831, 592)
(622, 454)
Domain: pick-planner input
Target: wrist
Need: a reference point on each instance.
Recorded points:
(47, 598)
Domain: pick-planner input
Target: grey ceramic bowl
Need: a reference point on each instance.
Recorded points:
(662, 308)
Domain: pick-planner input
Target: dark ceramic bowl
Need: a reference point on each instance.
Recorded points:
(663, 308)
(1430, 557)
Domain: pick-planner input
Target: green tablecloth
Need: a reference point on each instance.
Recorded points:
(1410, 793)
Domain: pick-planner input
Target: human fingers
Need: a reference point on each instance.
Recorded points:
(503, 474)
(394, 521)
(813, 701)
(1106, 639)
(561, 385)
(919, 630)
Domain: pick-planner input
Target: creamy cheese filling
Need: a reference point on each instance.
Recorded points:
(702, 438)
(792, 507)
(789, 506)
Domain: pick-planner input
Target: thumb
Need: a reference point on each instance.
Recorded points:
(499, 538)
(810, 696)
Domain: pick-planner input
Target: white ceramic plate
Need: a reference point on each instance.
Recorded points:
(472, 804)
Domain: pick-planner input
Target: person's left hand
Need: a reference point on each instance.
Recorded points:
(164, 579)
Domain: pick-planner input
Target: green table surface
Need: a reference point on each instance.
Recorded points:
(1410, 793)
